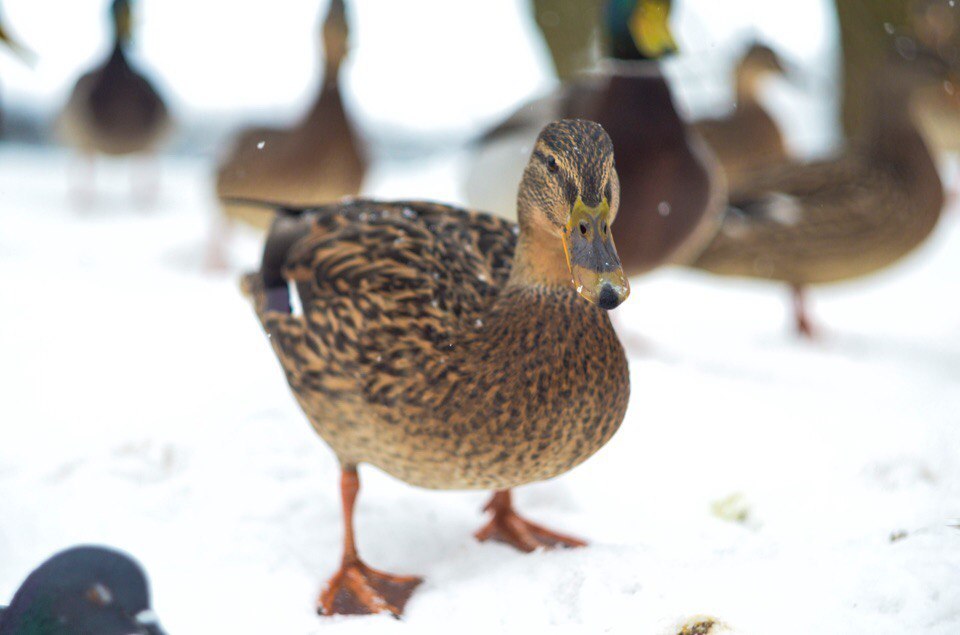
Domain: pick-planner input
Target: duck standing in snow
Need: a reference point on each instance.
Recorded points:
(453, 349)
(114, 109)
(319, 160)
(828, 221)
(748, 138)
(82, 590)
(673, 187)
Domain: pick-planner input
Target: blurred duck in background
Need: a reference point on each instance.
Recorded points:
(14, 46)
(569, 29)
(673, 188)
(114, 109)
(747, 138)
(828, 221)
(82, 590)
(319, 160)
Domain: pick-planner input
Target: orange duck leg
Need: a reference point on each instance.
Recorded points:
(356, 589)
(508, 527)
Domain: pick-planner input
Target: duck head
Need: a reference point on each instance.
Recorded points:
(639, 29)
(568, 200)
(83, 590)
(122, 16)
(336, 34)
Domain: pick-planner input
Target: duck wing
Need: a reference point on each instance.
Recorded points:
(383, 287)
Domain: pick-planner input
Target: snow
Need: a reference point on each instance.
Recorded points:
(776, 485)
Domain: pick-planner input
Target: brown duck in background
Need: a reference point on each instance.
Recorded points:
(317, 161)
(114, 109)
(834, 220)
(673, 188)
(407, 354)
(748, 138)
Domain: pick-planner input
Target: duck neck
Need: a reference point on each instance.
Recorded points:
(747, 87)
(539, 261)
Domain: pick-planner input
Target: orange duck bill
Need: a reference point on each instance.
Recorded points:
(592, 257)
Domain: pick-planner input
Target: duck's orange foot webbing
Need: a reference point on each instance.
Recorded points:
(356, 589)
(508, 527)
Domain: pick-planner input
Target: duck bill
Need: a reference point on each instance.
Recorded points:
(650, 28)
(592, 257)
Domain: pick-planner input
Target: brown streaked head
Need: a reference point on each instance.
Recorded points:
(336, 34)
(570, 194)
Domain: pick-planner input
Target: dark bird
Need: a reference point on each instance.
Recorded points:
(673, 188)
(451, 348)
(82, 591)
(833, 220)
(114, 109)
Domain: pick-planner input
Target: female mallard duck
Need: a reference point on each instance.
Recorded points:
(114, 109)
(834, 220)
(82, 590)
(453, 349)
(747, 139)
(673, 191)
(317, 161)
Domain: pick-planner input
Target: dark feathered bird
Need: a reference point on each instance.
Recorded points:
(83, 590)
(453, 349)
(114, 109)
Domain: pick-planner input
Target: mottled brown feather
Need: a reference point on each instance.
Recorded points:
(416, 352)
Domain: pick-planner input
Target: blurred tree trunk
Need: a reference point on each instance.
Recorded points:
(868, 29)
(570, 29)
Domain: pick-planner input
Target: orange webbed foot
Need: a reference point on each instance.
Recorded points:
(356, 589)
(508, 527)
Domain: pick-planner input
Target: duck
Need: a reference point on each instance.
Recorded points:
(84, 589)
(454, 349)
(845, 217)
(318, 160)
(114, 109)
(747, 138)
(674, 192)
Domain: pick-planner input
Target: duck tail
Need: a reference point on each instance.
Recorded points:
(267, 288)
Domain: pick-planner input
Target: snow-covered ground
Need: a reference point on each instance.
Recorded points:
(776, 485)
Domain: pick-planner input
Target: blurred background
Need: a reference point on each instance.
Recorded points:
(221, 64)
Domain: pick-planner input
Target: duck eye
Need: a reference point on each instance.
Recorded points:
(552, 165)
(583, 228)
(603, 228)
